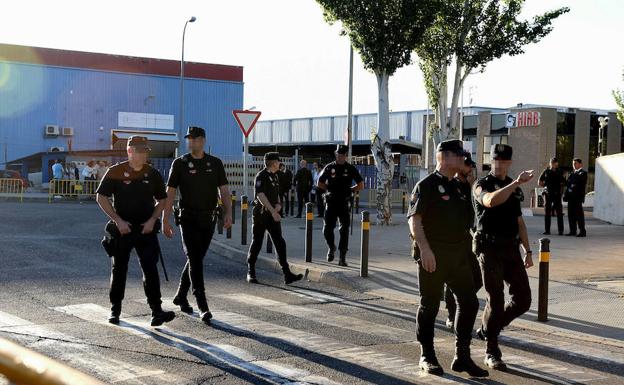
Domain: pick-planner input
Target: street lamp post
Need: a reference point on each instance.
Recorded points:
(350, 106)
(181, 124)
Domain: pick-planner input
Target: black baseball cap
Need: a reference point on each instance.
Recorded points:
(342, 149)
(501, 152)
(139, 142)
(554, 160)
(469, 162)
(271, 156)
(195, 132)
(455, 146)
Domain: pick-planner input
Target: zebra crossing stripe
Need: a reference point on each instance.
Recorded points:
(75, 353)
(222, 356)
(324, 317)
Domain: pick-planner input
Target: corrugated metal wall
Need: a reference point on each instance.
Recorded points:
(32, 96)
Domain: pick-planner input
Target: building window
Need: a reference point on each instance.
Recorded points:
(488, 141)
(470, 125)
(499, 124)
(564, 150)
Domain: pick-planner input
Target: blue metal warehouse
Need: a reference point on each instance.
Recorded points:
(58, 103)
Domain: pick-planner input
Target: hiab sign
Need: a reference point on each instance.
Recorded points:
(523, 119)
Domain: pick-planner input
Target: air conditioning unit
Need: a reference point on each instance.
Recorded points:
(68, 131)
(57, 149)
(52, 130)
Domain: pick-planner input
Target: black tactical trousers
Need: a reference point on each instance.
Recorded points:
(501, 263)
(576, 216)
(303, 197)
(285, 202)
(449, 297)
(262, 222)
(196, 236)
(453, 268)
(552, 203)
(337, 212)
(146, 246)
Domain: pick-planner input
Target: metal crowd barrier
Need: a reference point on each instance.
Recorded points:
(21, 366)
(70, 188)
(12, 188)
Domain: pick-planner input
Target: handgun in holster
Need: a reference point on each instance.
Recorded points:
(110, 242)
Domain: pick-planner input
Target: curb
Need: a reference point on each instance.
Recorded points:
(341, 280)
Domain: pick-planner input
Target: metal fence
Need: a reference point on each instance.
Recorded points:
(13, 188)
(71, 188)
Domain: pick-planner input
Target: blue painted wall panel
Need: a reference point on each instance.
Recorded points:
(32, 96)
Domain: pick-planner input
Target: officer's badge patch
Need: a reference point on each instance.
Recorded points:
(126, 174)
(446, 197)
(192, 171)
(259, 183)
(191, 165)
(333, 170)
(145, 175)
(145, 181)
(496, 187)
(441, 189)
(208, 164)
(127, 181)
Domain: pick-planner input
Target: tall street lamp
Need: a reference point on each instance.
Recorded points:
(181, 124)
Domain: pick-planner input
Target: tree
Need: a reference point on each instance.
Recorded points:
(471, 34)
(619, 100)
(384, 33)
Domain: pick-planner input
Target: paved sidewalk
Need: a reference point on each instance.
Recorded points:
(586, 289)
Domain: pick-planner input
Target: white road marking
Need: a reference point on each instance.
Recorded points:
(324, 317)
(220, 355)
(77, 355)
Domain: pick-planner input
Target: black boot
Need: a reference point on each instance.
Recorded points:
(343, 258)
(204, 312)
(206, 316)
(464, 363)
(289, 277)
(113, 318)
(493, 356)
(185, 306)
(429, 362)
(330, 253)
(159, 316)
(251, 274)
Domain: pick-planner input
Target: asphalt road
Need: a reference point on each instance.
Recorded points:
(53, 299)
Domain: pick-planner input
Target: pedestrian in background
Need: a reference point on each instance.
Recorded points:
(303, 184)
(57, 170)
(285, 177)
(553, 182)
(575, 196)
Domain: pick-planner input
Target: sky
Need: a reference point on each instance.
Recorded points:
(296, 65)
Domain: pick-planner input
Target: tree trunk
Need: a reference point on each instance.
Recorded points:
(457, 85)
(382, 153)
(442, 107)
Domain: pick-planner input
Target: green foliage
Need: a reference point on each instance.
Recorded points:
(619, 100)
(383, 32)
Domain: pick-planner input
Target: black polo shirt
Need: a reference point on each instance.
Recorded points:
(268, 183)
(339, 178)
(198, 181)
(442, 205)
(134, 192)
(501, 220)
(553, 181)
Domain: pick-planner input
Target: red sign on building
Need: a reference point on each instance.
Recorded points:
(528, 119)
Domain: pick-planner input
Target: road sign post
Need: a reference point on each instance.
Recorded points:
(246, 121)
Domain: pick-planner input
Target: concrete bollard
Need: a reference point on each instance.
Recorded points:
(269, 243)
(357, 202)
(220, 217)
(364, 244)
(244, 207)
(544, 260)
(308, 228)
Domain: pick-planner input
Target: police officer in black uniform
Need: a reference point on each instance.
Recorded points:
(138, 194)
(500, 231)
(553, 181)
(575, 196)
(336, 180)
(201, 179)
(285, 183)
(439, 223)
(465, 177)
(266, 217)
